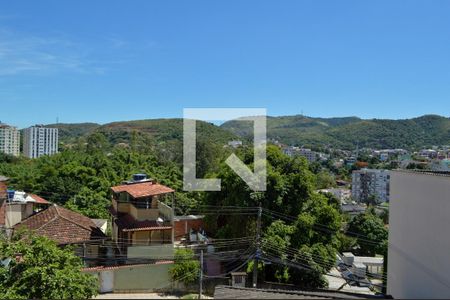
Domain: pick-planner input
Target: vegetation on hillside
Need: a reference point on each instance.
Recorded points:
(352, 132)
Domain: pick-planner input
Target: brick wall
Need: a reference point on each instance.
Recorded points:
(182, 227)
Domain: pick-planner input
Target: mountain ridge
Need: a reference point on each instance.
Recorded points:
(299, 130)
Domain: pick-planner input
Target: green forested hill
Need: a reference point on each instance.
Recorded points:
(349, 132)
(344, 133)
(69, 132)
(158, 130)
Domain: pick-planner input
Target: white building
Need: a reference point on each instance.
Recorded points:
(342, 194)
(39, 140)
(292, 151)
(235, 144)
(370, 183)
(418, 256)
(9, 140)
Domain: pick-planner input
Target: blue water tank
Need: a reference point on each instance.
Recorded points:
(139, 177)
(11, 194)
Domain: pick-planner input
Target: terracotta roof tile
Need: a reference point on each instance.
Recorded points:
(62, 225)
(144, 189)
(38, 199)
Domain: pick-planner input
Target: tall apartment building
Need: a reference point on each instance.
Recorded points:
(371, 184)
(39, 140)
(9, 140)
(419, 264)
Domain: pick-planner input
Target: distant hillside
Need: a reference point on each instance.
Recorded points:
(163, 130)
(349, 132)
(69, 132)
(344, 133)
(158, 130)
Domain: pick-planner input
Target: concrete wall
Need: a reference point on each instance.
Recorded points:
(419, 246)
(142, 278)
(157, 251)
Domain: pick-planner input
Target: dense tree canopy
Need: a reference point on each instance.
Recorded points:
(186, 268)
(370, 232)
(39, 269)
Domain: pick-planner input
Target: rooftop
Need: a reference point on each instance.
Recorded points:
(423, 172)
(62, 225)
(144, 189)
(229, 292)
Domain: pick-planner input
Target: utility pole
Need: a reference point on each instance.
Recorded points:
(258, 245)
(201, 276)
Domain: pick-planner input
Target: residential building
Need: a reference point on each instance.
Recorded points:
(370, 185)
(418, 251)
(235, 144)
(62, 226)
(142, 224)
(67, 227)
(440, 165)
(428, 153)
(350, 161)
(39, 140)
(341, 193)
(185, 225)
(353, 209)
(362, 266)
(16, 206)
(292, 151)
(21, 205)
(9, 140)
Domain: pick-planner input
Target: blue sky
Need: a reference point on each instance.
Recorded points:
(103, 61)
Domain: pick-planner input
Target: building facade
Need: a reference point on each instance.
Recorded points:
(418, 255)
(371, 186)
(292, 151)
(142, 224)
(9, 140)
(39, 140)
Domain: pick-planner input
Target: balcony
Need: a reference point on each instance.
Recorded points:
(141, 212)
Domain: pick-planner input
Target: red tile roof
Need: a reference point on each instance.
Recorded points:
(38, 199)
(144, 189)
(127, 223)
(62, 225)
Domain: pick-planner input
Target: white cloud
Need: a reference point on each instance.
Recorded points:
(21, 54)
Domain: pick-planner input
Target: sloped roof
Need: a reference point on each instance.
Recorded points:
(62, 225)
(38, 199)
(144, 189)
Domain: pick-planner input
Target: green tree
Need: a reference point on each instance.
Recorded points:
(325, 180)
(90, 203)
(44, 271)
(186, 268)
(370, 232)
